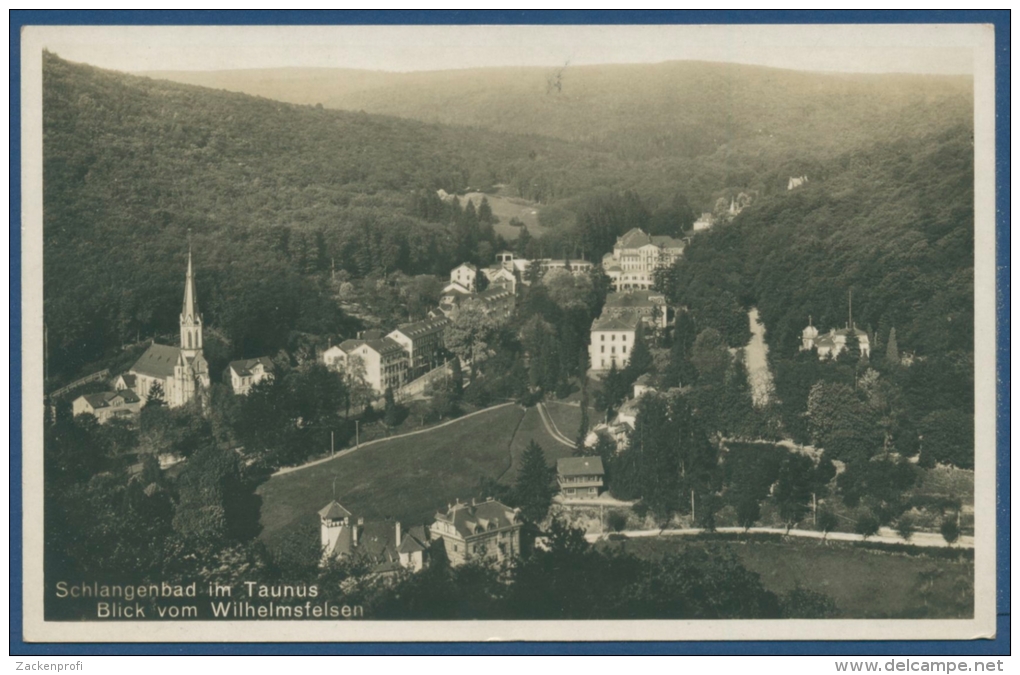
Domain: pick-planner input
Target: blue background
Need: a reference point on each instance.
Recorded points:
(1000, 18)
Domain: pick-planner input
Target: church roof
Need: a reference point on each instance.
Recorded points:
(158, 361)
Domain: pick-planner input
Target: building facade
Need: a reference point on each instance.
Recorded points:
(464, 275)
(383, 543)
(580, 477)
(182, 372)
(612, 341)
(381, 363)
(635, 257)
(486, 530)
(423, 344)
(246, 373)
(107, 405)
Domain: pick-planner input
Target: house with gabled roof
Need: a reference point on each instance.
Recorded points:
(580, 477)
(381, 543)
(106, 405)
(382, 363)
(246, 373)
(488, 530)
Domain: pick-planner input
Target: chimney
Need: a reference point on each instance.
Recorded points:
(398, 533)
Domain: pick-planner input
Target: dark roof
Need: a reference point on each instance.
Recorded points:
(385, 346)
(634, 238)
(244, 366)
(635, 299)
(129, 379)
(667, 242)
(625, 321)
(373, 334)
(471, 519)
(334, 511)
(102, 399)
(467, 265)
(580, 466)
(158, 361)
(419, 328)
(350, 345)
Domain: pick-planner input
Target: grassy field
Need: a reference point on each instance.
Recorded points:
(863, 583)
(506, 208)
(568, 417)
(407, 478)
(533, 429)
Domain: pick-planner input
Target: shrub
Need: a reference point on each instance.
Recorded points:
(617, 521)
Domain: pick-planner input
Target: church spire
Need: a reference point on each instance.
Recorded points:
(190, 311)
(191, 320)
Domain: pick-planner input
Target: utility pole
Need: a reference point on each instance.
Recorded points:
(332, 448)
(357, 434)
(694, 517)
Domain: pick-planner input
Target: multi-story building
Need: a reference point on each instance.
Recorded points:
(423, 344)
(636, 256)
(464, 275)
(486, 530)
(106, 405)
(246, 373)
(649, 305)
(383, 543)
(612, 340)
(579, 477)
(381, 363)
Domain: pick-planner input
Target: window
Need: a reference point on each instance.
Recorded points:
(614, 337)
(623, 337)
(603, 349)
(614, 350)
(624, 348)
(603, 337)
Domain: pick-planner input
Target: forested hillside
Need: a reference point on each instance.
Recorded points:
(273, 195)
(894, 225)
(711, 125)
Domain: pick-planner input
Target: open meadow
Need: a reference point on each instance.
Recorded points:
(409, 478)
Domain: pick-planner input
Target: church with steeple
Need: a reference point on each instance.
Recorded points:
(182, 372)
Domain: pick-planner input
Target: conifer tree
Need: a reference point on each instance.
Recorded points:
(533, 489)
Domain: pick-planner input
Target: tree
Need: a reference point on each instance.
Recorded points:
(485, 212)
(393, 414)
(947, 436)
(710, 356)
(156, 396)
(748, 511)
(950, 529)
(469, 336)
(827, 520)
(533, 489)
(793, 489)
(906, 526)
(866, 524)
(640, 358)
(842, 423)
(457, 378)
(892, 350)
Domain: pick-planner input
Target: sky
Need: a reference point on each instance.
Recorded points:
(927, 49)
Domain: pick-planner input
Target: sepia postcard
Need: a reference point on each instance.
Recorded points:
(508, 333)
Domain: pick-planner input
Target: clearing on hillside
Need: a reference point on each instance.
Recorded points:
(506, 208)
(409, 478)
